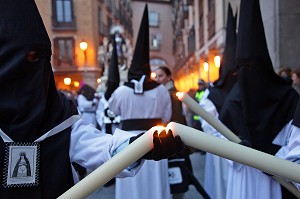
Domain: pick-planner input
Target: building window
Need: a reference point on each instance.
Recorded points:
(100, 22)
(153, 18)
(108, 4)
(63, 14)
(64, 51)
(211, 18)
(201, 24)
(155, 41)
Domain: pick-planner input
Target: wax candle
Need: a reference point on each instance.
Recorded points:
(219, 126)
(236, 152)
(196, 108)
(112, 167)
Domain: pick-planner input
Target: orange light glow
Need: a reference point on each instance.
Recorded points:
(217, 61)
(206, 66)
(83, 45)
(67, 81)
(161, 128)
(153, 75)
(179, 95)
(76, 84)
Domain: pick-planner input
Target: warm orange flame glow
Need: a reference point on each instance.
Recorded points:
(76, 84)
(153, 75)
(161, 128)
(83, 45)
(217, 60)
(67, 81)
(206, 66)
(179, 95)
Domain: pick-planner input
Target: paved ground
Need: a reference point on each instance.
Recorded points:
(198, 167)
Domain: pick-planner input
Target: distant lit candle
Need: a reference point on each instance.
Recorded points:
(236, 152)
(112, 167)
(196, 108)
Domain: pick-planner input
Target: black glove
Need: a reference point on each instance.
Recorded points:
(165, 145)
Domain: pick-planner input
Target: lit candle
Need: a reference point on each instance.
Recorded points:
(112, 167)
(196, 108)
(236, 152)
(220, 127)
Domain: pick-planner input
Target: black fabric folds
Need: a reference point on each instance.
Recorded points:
(30, 104)
(113, 80)
(268, 101)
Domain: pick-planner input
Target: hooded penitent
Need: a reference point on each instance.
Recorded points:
(113, 80)
(227, 73)
(30, 104)
(268, 101)
(27, 88)
(87, 91)
(139, 72)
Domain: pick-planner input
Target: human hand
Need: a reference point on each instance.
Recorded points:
(165, 145)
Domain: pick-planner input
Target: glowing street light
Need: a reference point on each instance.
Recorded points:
(67, 81)
(83, 46)
(206, 69)
(217, 60)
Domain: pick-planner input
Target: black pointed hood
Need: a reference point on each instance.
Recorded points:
(227, 73)
(113, 80)
(30, 104)
(268, 101)
(140, 65)
(140, 60)
(87, 91)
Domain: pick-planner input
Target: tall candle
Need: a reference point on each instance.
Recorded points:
(219, 126)
(236, 152)
(112, 167)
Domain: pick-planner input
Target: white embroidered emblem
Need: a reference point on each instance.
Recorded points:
(21, 165)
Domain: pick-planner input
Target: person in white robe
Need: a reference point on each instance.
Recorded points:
(216, 168)
(87, 104)
(142, 103)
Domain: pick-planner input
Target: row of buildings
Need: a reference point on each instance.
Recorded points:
(186, 35)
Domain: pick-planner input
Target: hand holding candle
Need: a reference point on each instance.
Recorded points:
(165, 145)
(219, 126)
(160, 144)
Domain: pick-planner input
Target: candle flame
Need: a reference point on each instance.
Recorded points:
(160, 128)
(179, 95)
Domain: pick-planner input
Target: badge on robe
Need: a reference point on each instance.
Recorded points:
(21, 164)
(22, 160)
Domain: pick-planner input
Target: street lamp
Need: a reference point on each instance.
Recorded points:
(206, 69)
(83, 46)
(67, 82)
(217, 60)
